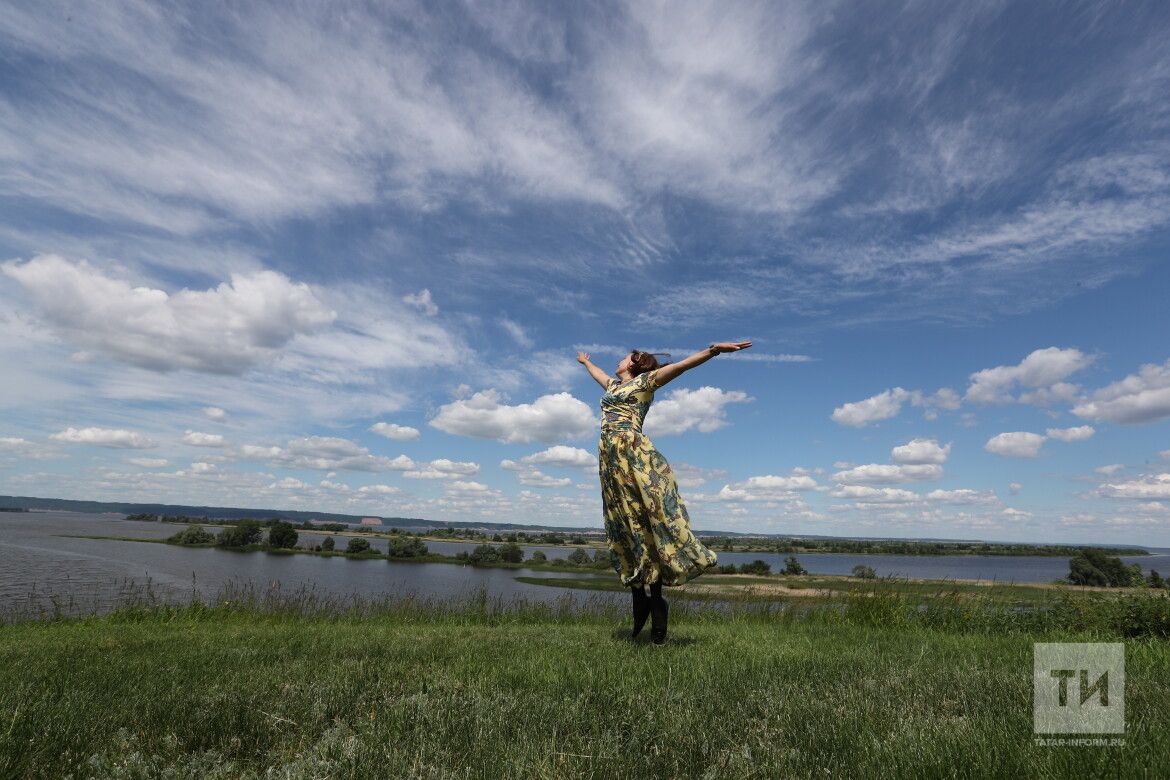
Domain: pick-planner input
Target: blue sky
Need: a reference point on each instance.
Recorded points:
(296, 257)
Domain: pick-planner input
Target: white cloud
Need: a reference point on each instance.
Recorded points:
(704, 410)
(215, 413)
(16, 447)
(423, 302)
(288, 483)
(516, 331)
(105, 437)
(767, 487)
(442, 468)
(863, 494)
(379, 490)
(203, 467)
(533, 477)
(148, 463)
(563, 456)
(882, 406)
(225, 330)
(197, 439)
(883, 474)
(963, 496)
(1110, 470)
(325, 453)
(395, 432)
(1153, 486)
(921, 451)
(1080, 433)
(1042, 369)
(687, 475)
(1015, 444)
(548, 419)
(1143, 397)
(1015, 488)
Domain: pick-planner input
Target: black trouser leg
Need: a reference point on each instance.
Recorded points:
(641, 607)
(658, 614)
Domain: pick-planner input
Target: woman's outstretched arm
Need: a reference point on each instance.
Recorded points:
(671, 370)
(602, 378)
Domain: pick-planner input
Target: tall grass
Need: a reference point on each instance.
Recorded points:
(258, 682)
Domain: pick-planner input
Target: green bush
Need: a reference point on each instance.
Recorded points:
(193, 535)
(864, 572)
(756, 567)
(793, 567)
(484, 553)
(402, 547)
(579, 557)
(241, 534)
(327, 544)
(357, 546)
(538, 556)
(511, 552)
(282, 534)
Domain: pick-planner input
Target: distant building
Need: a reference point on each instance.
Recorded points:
(371, 521)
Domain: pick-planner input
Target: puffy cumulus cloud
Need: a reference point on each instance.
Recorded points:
(225, 330)
(963, 496)
(148, 463)
(197, 439)
(563, 456)
(1042, 372)
(105, 437)
(215, 413)
(888, 403)
(921, 451)
(882, 406)
(884, 474)
(1153, 486)
(1014, 488)
(288, 483)
(12, 447)
(1109, 470)
(422, 301)
(1079, 433)
(703, 410)
(547, 419)
(395, 432)
(864, 494)
(325, 453)
(532, 476)
(768, 487)
(470, 487)
(1017, 514)
(1143, 397)
(1016, 444)
(203, 467)
(442, 468)
(378, 490)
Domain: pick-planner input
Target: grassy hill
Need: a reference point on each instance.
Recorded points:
(294, 687)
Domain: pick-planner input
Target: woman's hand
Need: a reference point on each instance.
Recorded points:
(731, 346)
(582, 358)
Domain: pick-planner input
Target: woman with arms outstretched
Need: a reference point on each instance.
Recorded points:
(646, 522)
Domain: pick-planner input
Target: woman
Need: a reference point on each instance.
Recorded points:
(646, 522)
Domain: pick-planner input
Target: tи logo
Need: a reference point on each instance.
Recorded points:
(1078, 688)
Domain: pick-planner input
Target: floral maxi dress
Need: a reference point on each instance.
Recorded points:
(646, 522)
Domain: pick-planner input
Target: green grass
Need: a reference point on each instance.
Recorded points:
(291, 686)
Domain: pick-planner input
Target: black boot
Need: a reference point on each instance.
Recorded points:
(641, 608)
(658, 614)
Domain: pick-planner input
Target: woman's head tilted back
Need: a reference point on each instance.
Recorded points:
(641, 362)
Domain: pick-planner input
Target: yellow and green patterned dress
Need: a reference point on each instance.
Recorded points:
(646, 522)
